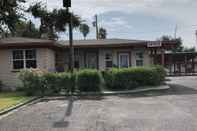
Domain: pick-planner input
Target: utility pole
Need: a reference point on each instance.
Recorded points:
(46, 4)
(95, 24)
(175, 31)
(196, 36)
(67, 4)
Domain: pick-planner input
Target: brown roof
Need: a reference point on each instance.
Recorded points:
(15, 42)
(105, 42)
(115, 43)
(25, 42)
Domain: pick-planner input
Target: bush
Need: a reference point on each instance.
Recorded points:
(37, 82)
(130, 78)
(1, 86)
(51, 80)
(89, 81)
(56, 82)
(108, 78)
(161, 71)
(119, 79)
(33, 82)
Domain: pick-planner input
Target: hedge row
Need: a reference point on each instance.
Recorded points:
(89, 81)
(130, 78)
(1, 85)
(36, 82)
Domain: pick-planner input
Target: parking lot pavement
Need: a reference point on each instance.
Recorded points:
(188, 81)
(172, 110)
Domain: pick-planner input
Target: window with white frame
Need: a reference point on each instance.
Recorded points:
(108, 60)
(24, 59)
(139, 58)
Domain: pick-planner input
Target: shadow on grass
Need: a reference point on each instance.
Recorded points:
(174, 89)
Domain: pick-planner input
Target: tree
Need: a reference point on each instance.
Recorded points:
(102, 33)
(191, 49)
(26, 29)
(179, 42)
(178, 48)
(54, 21)
(10, 14)
(84, 29)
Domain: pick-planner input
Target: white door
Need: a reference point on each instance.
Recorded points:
(124, 60)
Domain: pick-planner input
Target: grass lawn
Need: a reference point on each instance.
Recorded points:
(10, 99)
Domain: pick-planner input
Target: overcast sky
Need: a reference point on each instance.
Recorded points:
(136, 19)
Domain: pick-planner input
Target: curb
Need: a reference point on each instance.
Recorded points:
(18, 106)
(163, 87)
(106, 93)
(109, 93)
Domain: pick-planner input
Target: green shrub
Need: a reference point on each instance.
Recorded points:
(66, 81)
(1, 86)
(124, 79)
(51, 80)
(161, 71)
(36, 82)
(33, 82)
(89, 81)
(130, 78)
(108, 78)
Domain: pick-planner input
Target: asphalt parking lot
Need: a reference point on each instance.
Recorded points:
(171, 110)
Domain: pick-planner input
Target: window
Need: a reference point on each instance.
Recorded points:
(92, 60)
(24, 59)
(139, 59)
(108, 60)
(124, 60)
(30, 56)
(76, 64)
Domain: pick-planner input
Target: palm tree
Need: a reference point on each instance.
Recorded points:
(26, 29)
(84, 29)
(102, 33)
(54, 21)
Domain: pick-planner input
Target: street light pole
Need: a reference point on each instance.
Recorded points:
(67, 4)
(71, 66)
(97, 34)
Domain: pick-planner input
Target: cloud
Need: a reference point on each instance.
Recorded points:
(172, 12)
(178, 9)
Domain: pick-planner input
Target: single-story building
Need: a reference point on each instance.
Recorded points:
(23, 53)
(179, 63)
